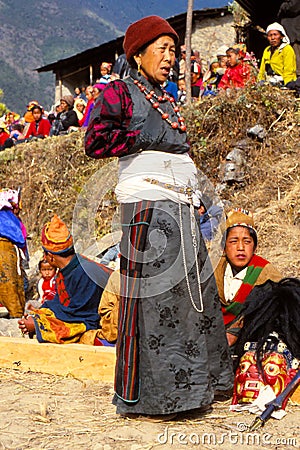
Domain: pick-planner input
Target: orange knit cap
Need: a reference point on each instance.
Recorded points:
(56, 237)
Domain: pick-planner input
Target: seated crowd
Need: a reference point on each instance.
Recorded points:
(233, 67)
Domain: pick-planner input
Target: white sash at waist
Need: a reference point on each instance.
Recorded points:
(177, 170)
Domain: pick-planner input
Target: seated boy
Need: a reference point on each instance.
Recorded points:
(240, 269)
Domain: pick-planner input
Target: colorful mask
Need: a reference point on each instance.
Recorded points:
(278, 367)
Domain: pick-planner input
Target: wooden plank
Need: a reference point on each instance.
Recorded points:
(76, 360)
(296, 396)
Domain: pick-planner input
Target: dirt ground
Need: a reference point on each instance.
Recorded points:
(39, 411)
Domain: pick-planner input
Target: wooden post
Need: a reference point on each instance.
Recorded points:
(91, 74)
(188, 35)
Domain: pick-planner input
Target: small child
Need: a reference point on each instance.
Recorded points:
(237, 74)
(181, 94)
(46, 285)
(17, 132)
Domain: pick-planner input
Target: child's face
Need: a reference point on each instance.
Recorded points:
(47, 271)
(223, 61)
(214, 66)
(232, 59)
(36, 114)
(80, 107)
(181, 85)
(103, 71)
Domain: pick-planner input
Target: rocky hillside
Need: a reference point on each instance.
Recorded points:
(57, 177)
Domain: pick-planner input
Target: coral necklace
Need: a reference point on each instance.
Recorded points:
(155, 101)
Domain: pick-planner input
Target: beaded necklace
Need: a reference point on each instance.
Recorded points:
(155, 101)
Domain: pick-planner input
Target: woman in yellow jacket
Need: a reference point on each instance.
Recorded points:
(278, 64)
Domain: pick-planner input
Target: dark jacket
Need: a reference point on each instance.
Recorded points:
(289, 16)
(63, 121)
(68, 119)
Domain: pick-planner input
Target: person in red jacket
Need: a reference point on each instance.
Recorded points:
(5, 140)
(237, 74)
(46, 285)
(4, 135)
(40, 127)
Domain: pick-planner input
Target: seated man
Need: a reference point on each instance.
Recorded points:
(210, 216)
(107, 333)
(240, 269)
(80, 283)
(66, 118)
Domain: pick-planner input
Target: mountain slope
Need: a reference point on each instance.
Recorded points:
(36, 35)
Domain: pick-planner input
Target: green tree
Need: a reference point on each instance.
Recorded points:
(3, 108)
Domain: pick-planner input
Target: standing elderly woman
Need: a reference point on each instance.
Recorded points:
(172, 352)
(278, 63)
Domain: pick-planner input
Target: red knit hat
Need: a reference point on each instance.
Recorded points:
(144, 31)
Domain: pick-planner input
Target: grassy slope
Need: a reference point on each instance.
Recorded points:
(53, 172)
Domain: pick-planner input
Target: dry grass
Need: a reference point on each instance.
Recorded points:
(53, 172)
(40, 411)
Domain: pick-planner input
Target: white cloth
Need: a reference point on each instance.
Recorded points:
(174, 169)
(266, 395)
(276, 26)
(232, 283)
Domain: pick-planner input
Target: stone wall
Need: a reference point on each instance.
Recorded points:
(209, 34)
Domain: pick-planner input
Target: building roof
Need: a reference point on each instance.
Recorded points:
(87, 55)
(106, 50)
(261, 12)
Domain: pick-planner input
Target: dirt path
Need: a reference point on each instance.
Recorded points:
(39, 411)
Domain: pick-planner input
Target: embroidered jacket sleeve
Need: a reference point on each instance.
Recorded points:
(107, 133)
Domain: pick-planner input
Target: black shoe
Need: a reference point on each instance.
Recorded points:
(146, 418)
(223, 396)
(195, 413)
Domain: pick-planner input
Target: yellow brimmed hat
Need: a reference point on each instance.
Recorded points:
(239, 217)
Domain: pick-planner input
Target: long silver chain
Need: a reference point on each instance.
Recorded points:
(189, 193)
